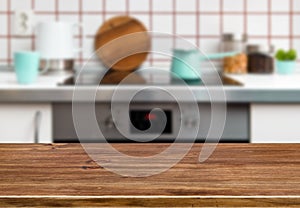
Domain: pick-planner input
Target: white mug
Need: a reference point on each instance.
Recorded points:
(55, 40)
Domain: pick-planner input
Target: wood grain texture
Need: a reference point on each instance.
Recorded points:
(122, 43)
(120, 77)
(233, 170)
(148, 202)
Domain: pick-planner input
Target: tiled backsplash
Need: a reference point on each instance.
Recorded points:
(199, 21)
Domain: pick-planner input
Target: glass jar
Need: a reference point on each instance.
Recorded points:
(234, 43)
(260, 59)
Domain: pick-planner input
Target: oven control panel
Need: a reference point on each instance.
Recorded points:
(147, 120)
(141, 120)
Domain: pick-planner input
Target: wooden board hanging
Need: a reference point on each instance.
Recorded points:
(122, 43)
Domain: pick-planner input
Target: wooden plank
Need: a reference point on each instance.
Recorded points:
(232, 174)
(149, 202)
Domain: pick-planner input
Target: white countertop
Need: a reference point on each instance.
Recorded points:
(256, 88)
(270, 81)
(8, 80)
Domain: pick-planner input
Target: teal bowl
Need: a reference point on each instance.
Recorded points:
(285, 67)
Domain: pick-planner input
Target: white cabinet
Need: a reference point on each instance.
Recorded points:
(275, 123)
(25, 123)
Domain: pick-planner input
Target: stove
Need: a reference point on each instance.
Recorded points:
(135, 122)
(144, 78)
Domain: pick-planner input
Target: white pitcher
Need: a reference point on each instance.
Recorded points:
(55, 40)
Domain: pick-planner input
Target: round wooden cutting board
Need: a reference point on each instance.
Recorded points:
(122, 43)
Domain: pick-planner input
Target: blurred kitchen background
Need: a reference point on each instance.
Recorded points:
(201, 22)
(261, 83)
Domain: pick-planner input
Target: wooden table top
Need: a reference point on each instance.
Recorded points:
(236, 174)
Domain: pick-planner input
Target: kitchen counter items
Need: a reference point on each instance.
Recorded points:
(260, 59)
(234, 42)
(55, 42)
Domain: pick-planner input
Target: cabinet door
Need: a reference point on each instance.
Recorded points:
(25, 123)
(275, 123)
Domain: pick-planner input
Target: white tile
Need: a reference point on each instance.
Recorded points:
(186, 43)
(259, 41)
(209, 25)
(186, 24)
(19, 44)
(257, 5)
(296, 45)
(157, 56)
(280, 25)
(91, 23)
(233, 24)
(44, 5)
(209, 45)
(17, 4)
(71, 19)
(139, 5)
(257, 24)
(3, 51)
(296, 5)
(233, 5)
(76, 45)
(186, 5)
(44, 18)
(162, 65)
(296, 23)
(93, 64)
(281, 43)
(3, 4)
(3, 23)
(144, 19)
(109, 16)
(192, 41)
(68, 5)
(115, 5)
(163, 23)
(88, 48)
(209, 5)
(162, 5)
(280, 6)
(92, 5)
(162, 46)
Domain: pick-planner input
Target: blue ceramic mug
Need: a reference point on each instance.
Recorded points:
(26, 66)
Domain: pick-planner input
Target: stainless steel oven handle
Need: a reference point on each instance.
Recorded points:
(37, 126)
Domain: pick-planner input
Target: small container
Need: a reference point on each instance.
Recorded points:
(234, 64)
(285, 67)
(233, 42)
(260, 59)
